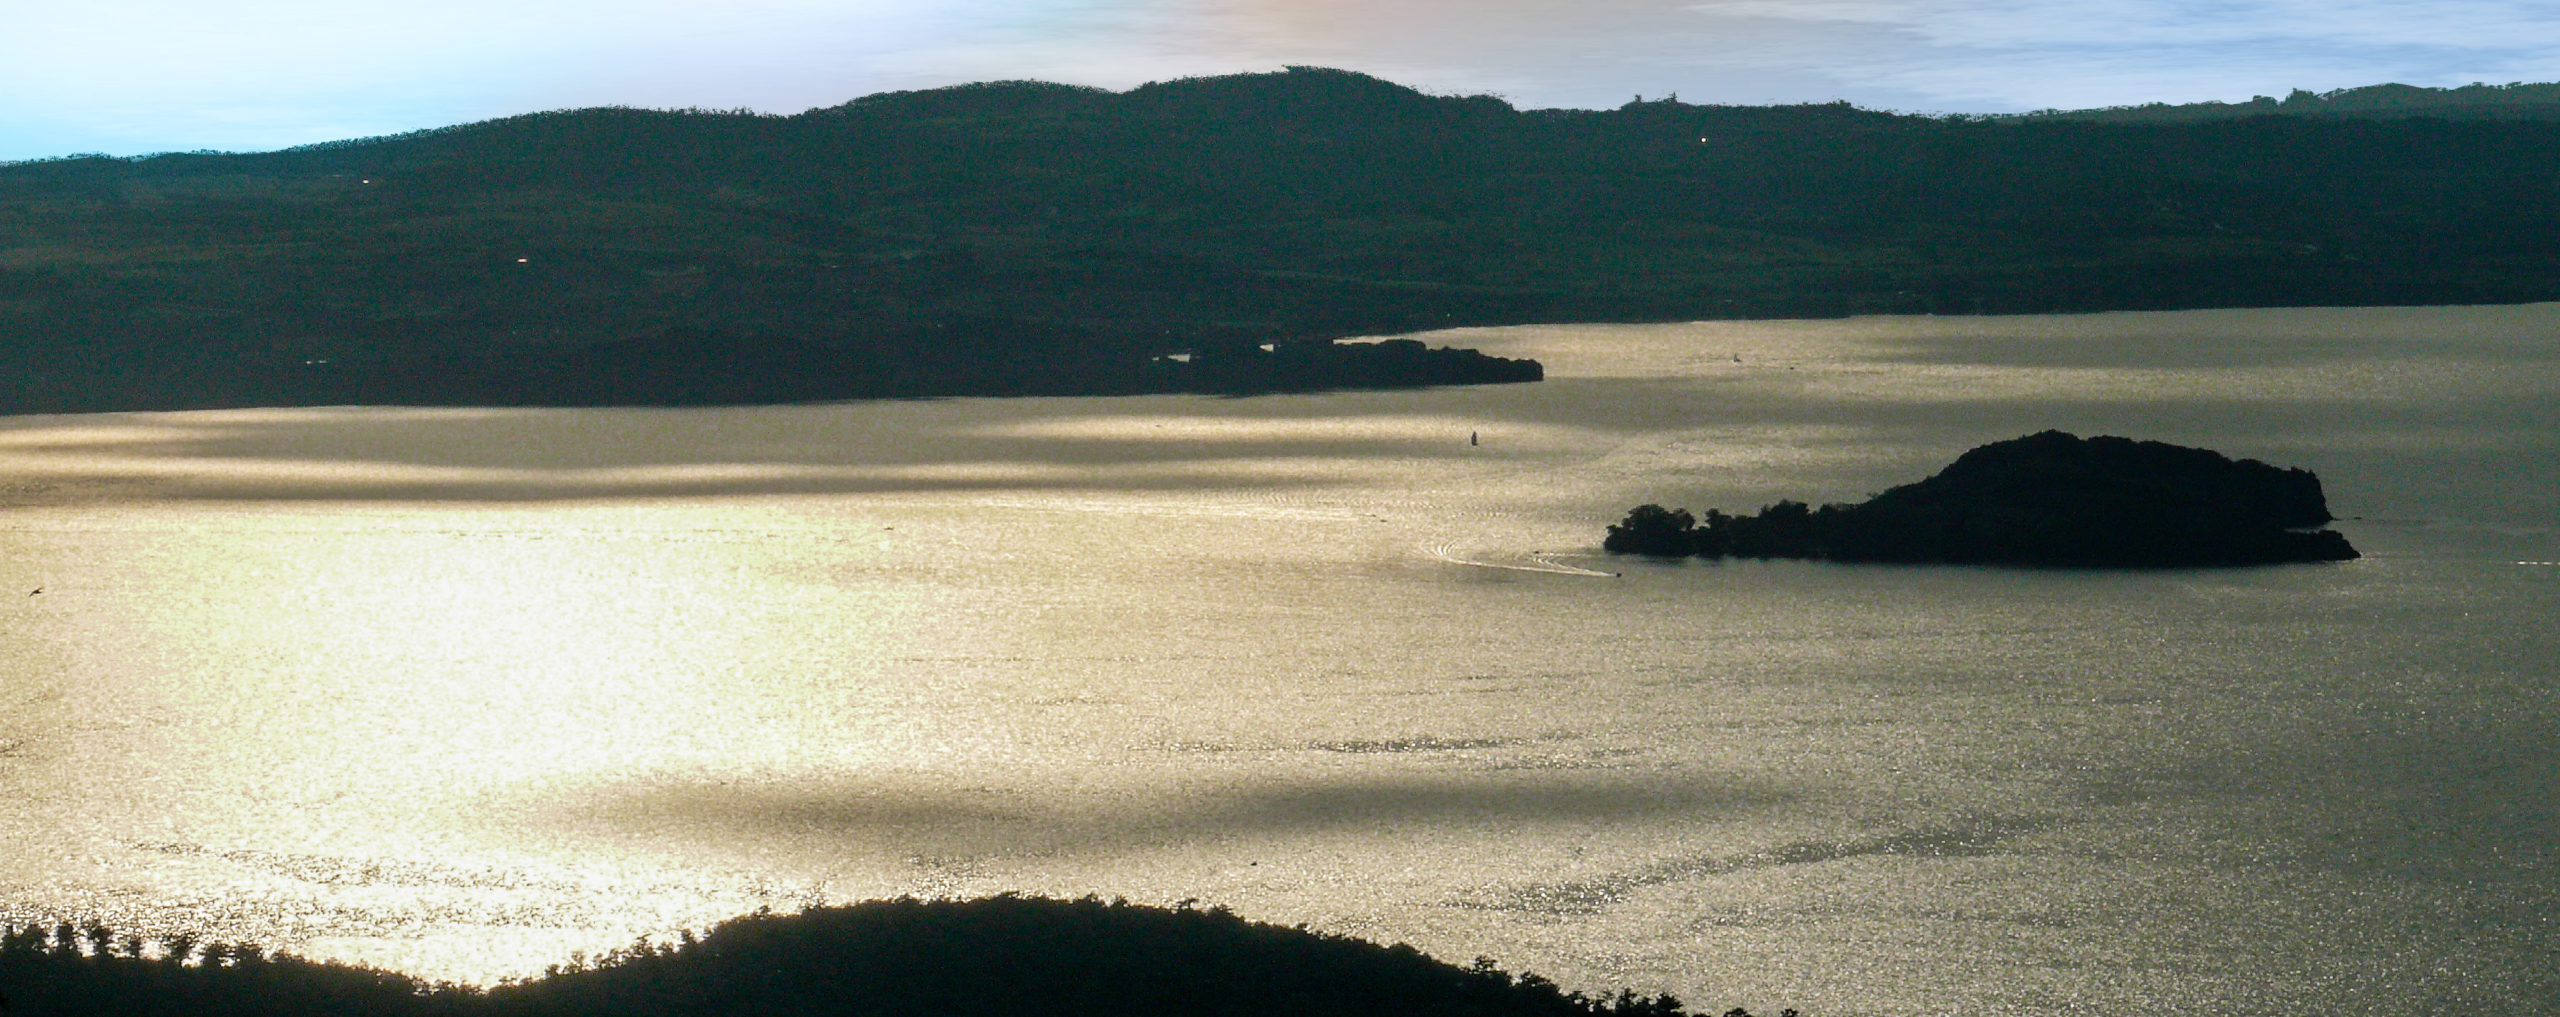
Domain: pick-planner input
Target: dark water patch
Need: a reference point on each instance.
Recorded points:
(1421, 743)
(1194, 746)
(1970, 838)
(2437, 789)
(1794, 913)
(933, 820)
(1591, 761)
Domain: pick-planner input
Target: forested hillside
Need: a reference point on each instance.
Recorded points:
(1023, 237)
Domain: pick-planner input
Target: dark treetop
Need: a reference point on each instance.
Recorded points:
(2044, 499)
(1019, 237)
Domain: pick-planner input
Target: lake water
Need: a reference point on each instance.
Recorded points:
(460, 692)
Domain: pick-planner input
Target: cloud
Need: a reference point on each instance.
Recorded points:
(146, 76)
(1920, 54)
(1982, 54)
(2115, 24)
(251, 74)
(263, 73)
(271, 47)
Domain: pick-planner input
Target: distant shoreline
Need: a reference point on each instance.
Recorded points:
(1018, 238)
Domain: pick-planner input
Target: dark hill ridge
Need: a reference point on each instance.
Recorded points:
(1018, 237)
(1005, 955)
(2476, 101)
(2051, 499)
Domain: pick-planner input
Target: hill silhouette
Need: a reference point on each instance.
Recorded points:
(1022, 237)
(2048, 499)
(2477, 101)
(903, 958)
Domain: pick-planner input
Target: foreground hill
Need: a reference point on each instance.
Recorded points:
(904, 958)
(1025, 237)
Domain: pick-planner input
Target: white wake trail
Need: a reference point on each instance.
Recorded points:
(1537, 562)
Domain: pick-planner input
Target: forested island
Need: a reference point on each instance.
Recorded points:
(1005, 955)
(2047, 499)
(1203, 234)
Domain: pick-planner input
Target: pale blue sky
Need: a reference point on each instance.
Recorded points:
(136, 76)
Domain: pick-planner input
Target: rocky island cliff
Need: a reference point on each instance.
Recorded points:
(2047, 499)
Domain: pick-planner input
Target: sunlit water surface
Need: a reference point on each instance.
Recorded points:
(462, 692)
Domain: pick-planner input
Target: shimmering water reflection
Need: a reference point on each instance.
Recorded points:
(463, 691)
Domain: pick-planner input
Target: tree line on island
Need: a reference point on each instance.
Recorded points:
(1024, 237)
(1007, 955)
(2046, 499)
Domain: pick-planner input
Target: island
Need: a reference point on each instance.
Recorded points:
(2046, 499)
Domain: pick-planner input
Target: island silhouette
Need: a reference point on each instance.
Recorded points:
(2046, 499)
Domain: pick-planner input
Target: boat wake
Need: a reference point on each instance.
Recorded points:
(1534, 561)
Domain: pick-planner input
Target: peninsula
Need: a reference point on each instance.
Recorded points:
(2047, 499)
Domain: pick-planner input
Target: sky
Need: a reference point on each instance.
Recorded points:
(132, 77)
